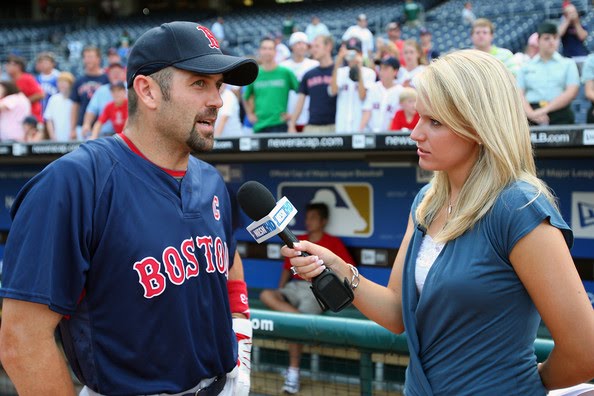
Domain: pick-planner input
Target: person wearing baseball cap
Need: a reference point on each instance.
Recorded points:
(394, 32)
(350, 84)
(549, 82)
(299, 63)
(186, 46)
(383, 98)
(362, 32)
(141, 274)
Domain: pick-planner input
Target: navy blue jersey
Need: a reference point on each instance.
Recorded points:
(322, 106)
(135, 259)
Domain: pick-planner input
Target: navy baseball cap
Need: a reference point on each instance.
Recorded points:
(188, 46)
(391, 61)
(354, 43)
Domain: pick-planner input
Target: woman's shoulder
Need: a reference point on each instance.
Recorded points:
(522, 206)
(519, 194)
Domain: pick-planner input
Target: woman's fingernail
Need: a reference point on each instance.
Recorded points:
(320, 262)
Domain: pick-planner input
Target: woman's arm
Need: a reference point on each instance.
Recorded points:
(544, 265)
(381, 304)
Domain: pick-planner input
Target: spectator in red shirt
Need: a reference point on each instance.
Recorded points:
(27, 84)
(406, 118)
(294, 294)
(116, 111)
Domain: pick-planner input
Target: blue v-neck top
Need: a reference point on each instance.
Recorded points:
(472, 330)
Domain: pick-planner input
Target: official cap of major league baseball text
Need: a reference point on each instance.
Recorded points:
(188, 46)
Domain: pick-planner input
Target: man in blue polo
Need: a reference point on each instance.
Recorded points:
(549, 82)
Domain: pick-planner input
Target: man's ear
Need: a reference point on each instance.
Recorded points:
(147, 91)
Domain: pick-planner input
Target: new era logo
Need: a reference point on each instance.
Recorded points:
(586, 214)
(582, 214)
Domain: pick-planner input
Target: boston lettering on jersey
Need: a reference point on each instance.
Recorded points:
(179, 265)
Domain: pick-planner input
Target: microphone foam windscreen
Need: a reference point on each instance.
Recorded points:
(255, 200)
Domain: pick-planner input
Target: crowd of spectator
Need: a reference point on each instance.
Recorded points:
(308, 82)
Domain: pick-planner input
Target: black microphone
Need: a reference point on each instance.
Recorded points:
(257, 202)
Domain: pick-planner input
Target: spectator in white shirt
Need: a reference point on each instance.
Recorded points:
(282, 51)
(299, 64)
(316, 28)
(383, 99)
(413, 54)
(468, 16)
(350, 84)
(228, 122)
(57, 114)
(218, 30)
(361, 32)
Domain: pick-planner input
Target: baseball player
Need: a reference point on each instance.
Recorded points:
(126, 243)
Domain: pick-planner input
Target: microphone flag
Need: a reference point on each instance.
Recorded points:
(275, 222)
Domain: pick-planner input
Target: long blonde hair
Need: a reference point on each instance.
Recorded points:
(474, 95)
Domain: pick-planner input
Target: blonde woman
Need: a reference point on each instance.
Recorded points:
(485, 254)
(414, 62)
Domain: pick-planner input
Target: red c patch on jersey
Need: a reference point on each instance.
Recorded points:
(215, 208)
(211, 38)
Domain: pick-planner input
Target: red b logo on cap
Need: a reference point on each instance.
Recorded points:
(213, 43)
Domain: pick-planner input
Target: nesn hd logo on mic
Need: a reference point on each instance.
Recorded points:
(265, 229)
(276, 221)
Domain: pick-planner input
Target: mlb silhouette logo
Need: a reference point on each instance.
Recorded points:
(350, 205)
(582, 214)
